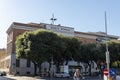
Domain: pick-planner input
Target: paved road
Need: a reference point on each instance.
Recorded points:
(86, 78)
(9, 77)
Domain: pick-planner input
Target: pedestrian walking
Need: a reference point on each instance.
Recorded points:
(118, 77)
(77, 75)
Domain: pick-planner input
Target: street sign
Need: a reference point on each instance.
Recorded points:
(106, 72)
(113, 72)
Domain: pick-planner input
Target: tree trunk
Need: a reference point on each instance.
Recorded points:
(35, 69)
(39, 66)
(89, 68)
(58, 67)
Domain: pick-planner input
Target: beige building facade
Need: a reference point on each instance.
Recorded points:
(2, 56)
(25, 67)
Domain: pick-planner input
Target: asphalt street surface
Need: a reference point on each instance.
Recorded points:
(38, 78)
(86, 78)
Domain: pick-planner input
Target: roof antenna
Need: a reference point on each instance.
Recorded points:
(53, 19)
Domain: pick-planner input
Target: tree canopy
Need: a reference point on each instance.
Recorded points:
(43, 45)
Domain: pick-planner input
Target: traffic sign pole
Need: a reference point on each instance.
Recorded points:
(107, 52)
(108, 61)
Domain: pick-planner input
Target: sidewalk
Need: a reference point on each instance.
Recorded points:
(23, 77)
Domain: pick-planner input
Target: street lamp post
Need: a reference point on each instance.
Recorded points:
(107, 51)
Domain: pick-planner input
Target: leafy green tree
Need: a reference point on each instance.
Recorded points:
(114, 49)
(102, 52)
(38, 46)
(42, 45)
(89, 53)
(72, 51)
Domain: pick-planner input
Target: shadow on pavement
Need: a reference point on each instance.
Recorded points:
(86, 78)
(5, 78)
(54, 78)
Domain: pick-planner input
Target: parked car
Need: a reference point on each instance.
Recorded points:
(2, 73)
(62, 74)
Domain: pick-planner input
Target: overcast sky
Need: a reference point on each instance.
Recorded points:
(82, 15)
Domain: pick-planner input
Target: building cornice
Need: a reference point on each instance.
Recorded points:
(42, 25)
(96, 34)
(14, 24)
